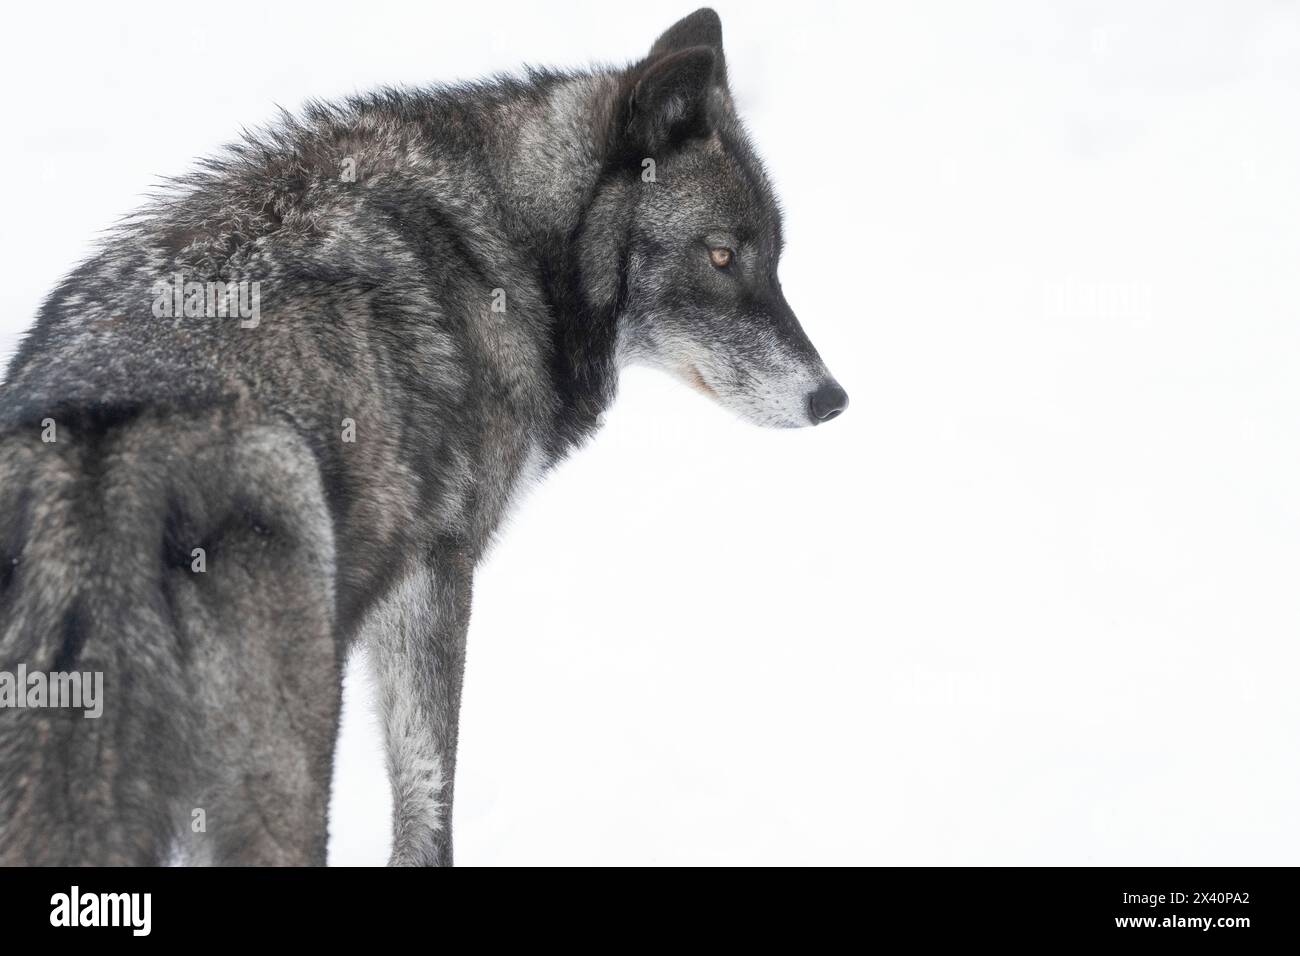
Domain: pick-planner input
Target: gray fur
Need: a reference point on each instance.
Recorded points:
(377, 297)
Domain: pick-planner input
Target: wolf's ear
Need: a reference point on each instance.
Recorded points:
(670, 99)
(701, 28)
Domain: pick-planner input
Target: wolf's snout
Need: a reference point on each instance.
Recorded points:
(827, 402)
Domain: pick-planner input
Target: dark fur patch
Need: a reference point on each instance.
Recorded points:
(74, 635)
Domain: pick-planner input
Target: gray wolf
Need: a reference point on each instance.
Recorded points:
(282, 411)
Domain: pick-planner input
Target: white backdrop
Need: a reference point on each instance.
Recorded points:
(1032, 599)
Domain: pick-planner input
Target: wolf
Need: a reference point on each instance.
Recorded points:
(213, 507)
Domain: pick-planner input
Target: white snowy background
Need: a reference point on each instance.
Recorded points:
(1035, 598)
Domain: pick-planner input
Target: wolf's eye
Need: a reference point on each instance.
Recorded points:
(721, 258)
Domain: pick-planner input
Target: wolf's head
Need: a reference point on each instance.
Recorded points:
(701, 298)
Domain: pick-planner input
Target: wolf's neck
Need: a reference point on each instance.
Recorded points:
(554, 159)
(529, 160)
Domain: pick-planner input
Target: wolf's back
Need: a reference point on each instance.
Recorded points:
(187, 557)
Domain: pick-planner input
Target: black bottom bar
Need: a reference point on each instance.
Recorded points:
(1229, 906)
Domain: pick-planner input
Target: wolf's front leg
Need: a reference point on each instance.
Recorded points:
(416, 642)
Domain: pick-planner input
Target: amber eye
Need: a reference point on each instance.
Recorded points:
(721, 258)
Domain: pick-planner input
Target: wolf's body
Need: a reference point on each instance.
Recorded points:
(449, 281)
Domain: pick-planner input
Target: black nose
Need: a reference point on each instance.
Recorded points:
(827, 402)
